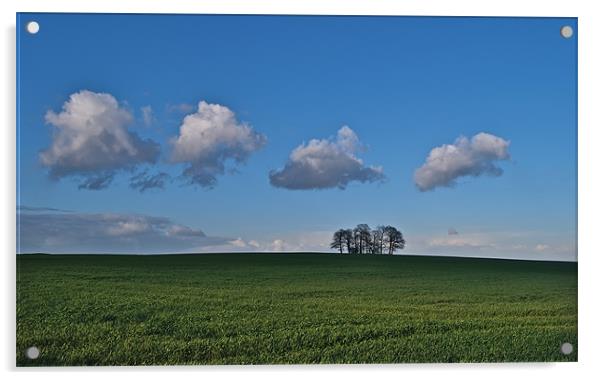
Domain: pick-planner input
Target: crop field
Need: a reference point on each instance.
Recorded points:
(292, 308)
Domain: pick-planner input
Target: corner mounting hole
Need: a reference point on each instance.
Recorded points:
(32, 27)
(566, 348)
(566, 31)
(32, 352)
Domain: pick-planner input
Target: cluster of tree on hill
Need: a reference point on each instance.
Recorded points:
(362, 239)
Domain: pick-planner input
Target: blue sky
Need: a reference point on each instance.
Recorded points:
(403, 86)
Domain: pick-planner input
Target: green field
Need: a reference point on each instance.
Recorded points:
(292, 308)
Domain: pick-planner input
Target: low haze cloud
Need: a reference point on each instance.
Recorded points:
(52, 230)
(484, 242)
(474, 157)
(208, 139)
(90, 140)
(327, 163)
(108, 233)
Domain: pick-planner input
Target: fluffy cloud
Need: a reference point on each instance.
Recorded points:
(108, 233)
(323, 164)
(90, 141)
(474, 157)
(208, 139)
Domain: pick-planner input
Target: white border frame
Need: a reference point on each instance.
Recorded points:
(590, 123)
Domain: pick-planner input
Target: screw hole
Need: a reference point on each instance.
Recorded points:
(32, 353)
(566, 348)
(32, 27)
(566, 31)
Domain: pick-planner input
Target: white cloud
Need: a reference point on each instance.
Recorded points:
(328, 163)
(129, 226)
(238, 243)
(148, 116)
(541, 247)
(90, 141)
(308, 241)
(210, 137)
(464, 157)
(278, 245)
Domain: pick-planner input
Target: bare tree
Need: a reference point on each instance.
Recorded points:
(357, 241)
(393, 239)
(338, 240)
(348, 239)
(363, 234)
(378, 236)
(363, 240)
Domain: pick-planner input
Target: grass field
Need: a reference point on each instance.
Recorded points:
(292, 308)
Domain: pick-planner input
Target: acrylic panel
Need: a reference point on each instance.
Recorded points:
(258, 189)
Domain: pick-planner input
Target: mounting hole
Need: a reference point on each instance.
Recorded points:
(566, 348)
(32, 27)
(32, 352)
(566, 31)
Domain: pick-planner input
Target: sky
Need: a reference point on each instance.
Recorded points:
(209, 133)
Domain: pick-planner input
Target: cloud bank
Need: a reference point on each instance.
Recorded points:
(108, 233)
(323, 164)
(474, 157)
(208, 139)
(90, 141)
(52, 230)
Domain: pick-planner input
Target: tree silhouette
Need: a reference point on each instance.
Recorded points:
(394, 239)
(362, 232)
(378, 236)
(348, 238)
(338, 240)
(362, 239)
(357, 244)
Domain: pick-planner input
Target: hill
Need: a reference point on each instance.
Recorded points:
(285, 308)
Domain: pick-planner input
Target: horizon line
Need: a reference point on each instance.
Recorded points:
(286, 253)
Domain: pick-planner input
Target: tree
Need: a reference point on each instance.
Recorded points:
(362, 232)
(378, 236)
(357, 242)
(338, 240)
(362, 239)
(348, 239)
(394, 239)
